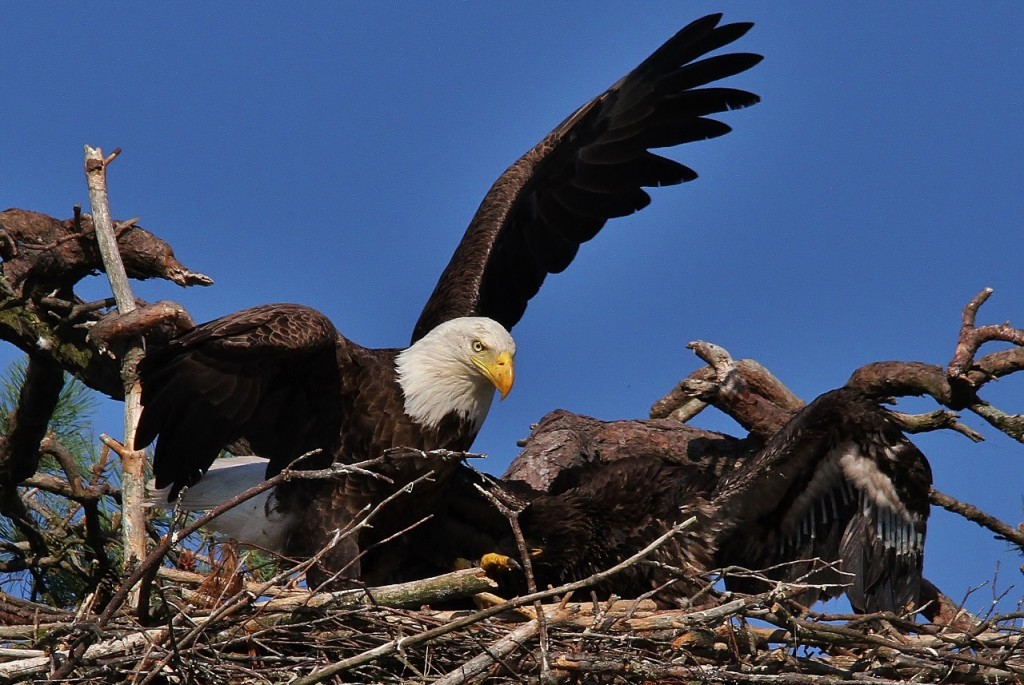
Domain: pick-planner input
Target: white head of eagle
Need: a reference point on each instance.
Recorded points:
(455, 368)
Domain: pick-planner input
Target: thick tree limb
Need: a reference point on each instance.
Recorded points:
(563, 440)
(27, 424)
(43, 259)
(743, 389)
(141, 321)
(36, 332)
(42, 254)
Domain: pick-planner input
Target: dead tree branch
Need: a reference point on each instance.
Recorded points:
(958, 385)
(743, 389)
(133, 471)
(976, 515)
(43, 260)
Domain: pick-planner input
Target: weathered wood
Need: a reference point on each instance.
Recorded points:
(133, 462)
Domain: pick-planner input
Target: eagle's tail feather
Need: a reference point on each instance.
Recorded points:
(257, 522)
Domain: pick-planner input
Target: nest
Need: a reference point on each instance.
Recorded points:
(227, 626)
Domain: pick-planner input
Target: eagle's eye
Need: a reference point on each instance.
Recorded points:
(478, 346)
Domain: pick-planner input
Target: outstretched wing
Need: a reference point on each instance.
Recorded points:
(591, 168)
(842, 484)
(267, 375)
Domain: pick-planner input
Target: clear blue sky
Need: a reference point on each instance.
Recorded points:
(332, 153)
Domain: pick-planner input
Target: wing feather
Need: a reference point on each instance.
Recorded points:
(268, 376)
(550, 246)
(840, 484)
(591, 168)
(648, 169)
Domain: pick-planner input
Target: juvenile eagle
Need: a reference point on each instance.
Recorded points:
(838, 497)
(280, 380)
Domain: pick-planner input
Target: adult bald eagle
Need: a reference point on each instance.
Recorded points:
(838, 497)
(280, 380)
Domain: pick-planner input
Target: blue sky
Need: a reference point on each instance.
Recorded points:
(332, 153)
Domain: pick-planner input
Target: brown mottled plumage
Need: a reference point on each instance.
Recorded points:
(840, 483)
(615, 510)
(281, 380)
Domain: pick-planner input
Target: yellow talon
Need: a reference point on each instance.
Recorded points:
(492, 562)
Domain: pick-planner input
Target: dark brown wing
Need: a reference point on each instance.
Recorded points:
(841, 483)
(267, 375)
(591, 168)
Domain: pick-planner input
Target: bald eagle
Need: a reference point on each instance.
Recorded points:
(838, 497)
(280, 380)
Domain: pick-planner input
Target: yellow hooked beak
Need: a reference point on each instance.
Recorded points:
(499, 371)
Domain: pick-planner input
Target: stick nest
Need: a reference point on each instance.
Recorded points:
(228, 627)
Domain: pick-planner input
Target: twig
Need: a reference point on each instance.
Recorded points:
(454, 585)
(119, 598)
(973, 337)
(232, 605)
(364, 518)
(505, 646)
(936, 420)
(654, 645)
(1011, 424)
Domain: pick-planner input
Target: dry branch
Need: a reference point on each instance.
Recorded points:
(133, 467)
(140, 321)
(743, 389)
(976, 515)
(502, 648)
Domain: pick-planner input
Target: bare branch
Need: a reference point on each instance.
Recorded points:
(936, 420)
(1011, 424)
(743, 389)
(141, 321)
(133, 473)
(957, 386)
(976, 515)
(505, 646)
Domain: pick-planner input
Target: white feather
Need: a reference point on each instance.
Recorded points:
(255, 522)
(438, 377)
